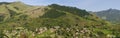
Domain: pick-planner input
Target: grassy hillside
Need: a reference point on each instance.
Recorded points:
(52, 21)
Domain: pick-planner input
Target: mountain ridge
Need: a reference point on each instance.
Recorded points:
(110, 15)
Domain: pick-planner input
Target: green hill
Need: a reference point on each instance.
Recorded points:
(18, 20)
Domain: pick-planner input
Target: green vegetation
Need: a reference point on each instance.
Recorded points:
(72, 10)
(53, 21)
(52, 13)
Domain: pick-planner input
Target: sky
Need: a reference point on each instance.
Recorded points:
(89, 5)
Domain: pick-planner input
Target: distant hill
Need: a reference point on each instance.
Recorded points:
(18, 20)
(112, 15)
